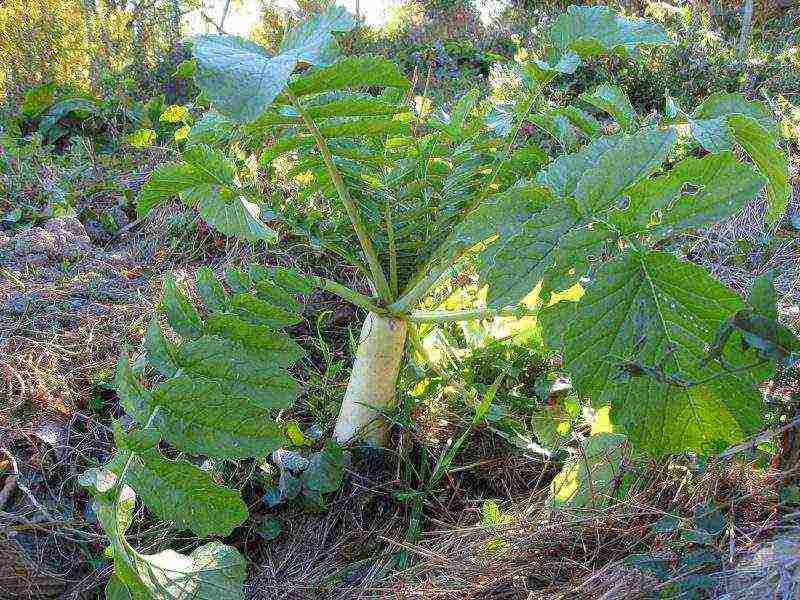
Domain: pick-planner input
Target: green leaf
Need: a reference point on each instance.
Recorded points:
(277, 296)
(161, 353)
(573, 256)
(174, 113)
(212, 128)
(186, 68)
(592, 30)
(587, 480)
(210, 290)
(79, 108)
(212, 166)
(724, 185)
(582, 120)
(282, 146)
(763, 297)
(217, 417)
(116, 590)
(211, 572)
(659, 314)
(237, 372)
(723, 104)
(133, 396)
(180, 492)
(181, 314)
(232, 216)
(203, 167)
(239, 77)
(611, 99)
(344, 104)
(713, 134)
(312, 41)
(761, 146)
(365, 127)
(514, 265)
(258, 339)
(37, 99)
(544, 71)
(293, 282)
(258, 312)
(631, 160)
(326, 469)
(350, 72)
(165, 182)
(200, 415)
(491, 513)
(563, 174)
(498, 217)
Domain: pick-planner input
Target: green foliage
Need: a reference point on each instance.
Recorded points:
(531, 194)
(220, 386)
(211, 572)
(592, 30)
(308, 477)
(419, 191)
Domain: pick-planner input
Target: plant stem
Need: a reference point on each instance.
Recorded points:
(346, 293)
(447, 316)
(421, 286)
(378, 276)
(392, 249)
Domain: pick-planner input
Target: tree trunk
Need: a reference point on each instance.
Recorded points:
(372, 382)
(747, 24)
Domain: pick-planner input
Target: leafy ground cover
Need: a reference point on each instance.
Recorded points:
(462, 505)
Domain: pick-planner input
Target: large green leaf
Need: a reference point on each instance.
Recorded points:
(611, 99)
(312, 41)
(727, 119)
(275, 347)
(587, 479)
(498, 217)
(181, 313)
(633, 159)
(238, 76)
(722, 104)
(562, 175)
(725, 186)
(242, 80)
(544, 71)
(201, 415)
(592, 30)
(165, 182)
(761, 146)
(238, 372)
(663, 206)
(211, 572)
(207, 180)
(637, 340)
(513, 266)
(202, 166)
(349, 73)
(180, 492)
(230, 214)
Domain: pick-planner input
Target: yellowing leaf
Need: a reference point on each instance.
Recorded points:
(600, 420)
(174, 114)
(142, 138)
(182, 133)
(295, 434)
